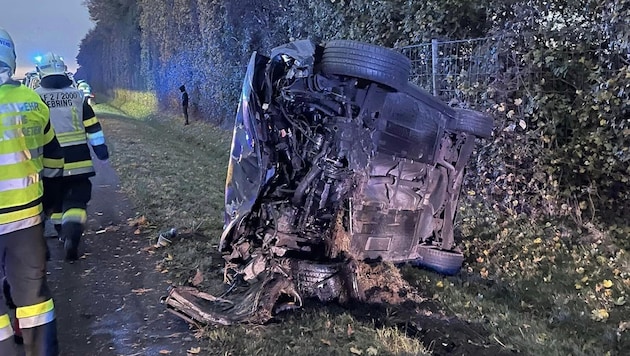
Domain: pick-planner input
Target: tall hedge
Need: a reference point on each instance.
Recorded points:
(561, 100)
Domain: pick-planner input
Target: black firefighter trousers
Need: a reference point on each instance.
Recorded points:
(23, 264)
(69, 214)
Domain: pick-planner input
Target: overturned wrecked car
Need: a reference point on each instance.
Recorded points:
(337, 161)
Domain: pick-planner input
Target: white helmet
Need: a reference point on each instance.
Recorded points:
(51, 64)
(7, 50)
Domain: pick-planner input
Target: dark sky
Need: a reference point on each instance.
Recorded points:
(40, 26)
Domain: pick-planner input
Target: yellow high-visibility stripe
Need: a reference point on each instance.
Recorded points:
(11, 198)
(75, 215)
(35, 315)
(90, 122)
(21, 196)
(6, 331)
(55, 218)
(4, 320)
(53, 162)
(65, 138)
(20, 214)
(48, 135)
(79, 164)
(20, 170)
(35, 309)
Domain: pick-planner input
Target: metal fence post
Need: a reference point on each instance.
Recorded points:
(434, 64)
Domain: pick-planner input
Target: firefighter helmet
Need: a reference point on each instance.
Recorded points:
(52, 64)
(7, 50)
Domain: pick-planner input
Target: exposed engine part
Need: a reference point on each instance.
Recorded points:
(336, 159)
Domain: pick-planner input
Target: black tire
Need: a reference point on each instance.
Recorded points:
(366, 61)
(472, 122)
(441, 261)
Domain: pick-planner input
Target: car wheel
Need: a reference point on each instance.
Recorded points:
(440, 261)
(472, 122)
(366, 61)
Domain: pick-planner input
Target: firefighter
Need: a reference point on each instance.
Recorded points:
(86, 89)
(30, 159)
(76, 126)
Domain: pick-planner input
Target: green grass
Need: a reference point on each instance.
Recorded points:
(544, 287)
(137, 104)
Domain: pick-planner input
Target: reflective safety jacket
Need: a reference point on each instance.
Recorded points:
(29, 151)
(76, 125)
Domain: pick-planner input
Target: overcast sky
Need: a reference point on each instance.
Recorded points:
(40, 26)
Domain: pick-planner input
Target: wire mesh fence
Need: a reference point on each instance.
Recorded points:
(453, 70)
(461, 72)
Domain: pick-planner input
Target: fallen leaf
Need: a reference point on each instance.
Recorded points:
(198, 278)
(325, 342)
(350, 331)
(141, 221)
(439, 284)
(356, 351)
(137, 232)
(194, 350)
(371, 351)
(599, 314)
(607, 283)
(165, 352)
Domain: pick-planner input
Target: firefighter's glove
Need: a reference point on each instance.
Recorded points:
(101, 152)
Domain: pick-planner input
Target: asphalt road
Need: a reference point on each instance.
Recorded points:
(108, 302)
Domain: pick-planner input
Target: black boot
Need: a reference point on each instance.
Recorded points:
(59, 234)
(71, 236)
(50, 229)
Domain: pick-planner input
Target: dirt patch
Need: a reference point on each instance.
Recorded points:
(383, 283)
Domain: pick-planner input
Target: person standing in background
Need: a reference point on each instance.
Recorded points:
(184, 103)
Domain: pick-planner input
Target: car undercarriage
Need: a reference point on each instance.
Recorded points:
(337, 163)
